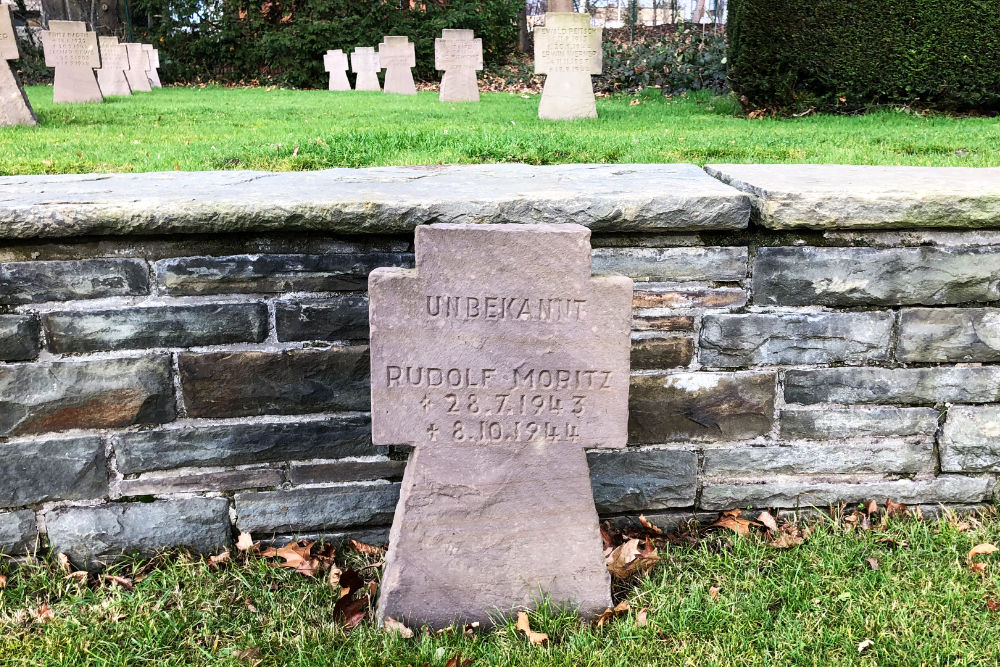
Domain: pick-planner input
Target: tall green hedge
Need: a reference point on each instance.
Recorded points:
(845, 55)
(283, 41)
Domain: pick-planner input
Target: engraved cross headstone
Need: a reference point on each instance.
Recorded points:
(152, 72)
(138, 64)
(114, 64)
(499, 359)
(397, 56)
(459, 54)
(568, 51)
(72, 50)
(365, 64)
(14, 106)
(335, 62)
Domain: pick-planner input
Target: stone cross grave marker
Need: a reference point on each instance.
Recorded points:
(365, 63)
(152, 72)
(568, 51)
(500, 359)
(397, 56)
(335, 62)
(14, 106)
(459, 54)
(114, 64)
(138, 64)
(72, 50)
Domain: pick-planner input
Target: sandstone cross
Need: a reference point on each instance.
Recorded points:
(459, 54)
(72, 50)
(365, 63)
(568, 51)
(138, 64)
(152, 72)
(499, 359)
(397, 56)
(335, 62)
(14, 106)
(114, 64)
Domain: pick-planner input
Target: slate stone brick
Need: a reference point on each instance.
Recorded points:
(75, 331)
(658, 296)
(34, 282)
(306, 509)
(656, 352)
(713, 263)
(949, 334)
(17, 532)
(340, 317)
(18, 337)
(641, 480)
(914, 386)
(889, 456)
(831, 423)
(970, 439)
(240, 384)
(201, 481)
(36, 471)
(106, 393)
(345, 471)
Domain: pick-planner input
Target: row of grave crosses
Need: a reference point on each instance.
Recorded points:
(567, 50)
(457, 52)
(75, 53)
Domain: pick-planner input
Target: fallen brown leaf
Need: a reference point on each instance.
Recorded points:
(392, 625)
(124, 582)
(3, 581)
(456, 661)
(609, 542)
(245, 543)
(789, 536)
(217, 561)
(872, 563)
(642, 618)
(713, 592)
(768, 521)
(251, 655)
(872, 508)
(334, 577)
(64, 563)
(44, 614)
(649, 526)
(865, 645)
(892, 508)
(610, 614)
(349, 612)
(993, 605)
(524, 625)
(731, 520)
(367, 549)
(350, 581)
(249, 605)
(629, 558)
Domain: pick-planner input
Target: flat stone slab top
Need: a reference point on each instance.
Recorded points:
(365, 63)
(618, 198)
(817, 196)
(72, 50)
(459, 53)
(568, 50)
(335, 62)
(139, 64)
(500, 359)
(114, 64)
(397, 55)
(14, 106)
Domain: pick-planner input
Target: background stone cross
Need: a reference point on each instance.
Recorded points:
(14, 106)
(152, 72)
(114, 64)
(365, 64)
(73, 51)
(138, 65)
(335, 62)
(459, 54)
(500, 359)
(397, 56)
(568, 51)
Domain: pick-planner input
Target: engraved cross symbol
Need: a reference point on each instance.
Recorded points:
(432, 431)
(425, 402)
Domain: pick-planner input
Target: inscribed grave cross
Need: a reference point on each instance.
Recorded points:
(335, 62)
(14, 106)
(114, 64)
(568, 51)
(138, 65)
(72, 50)
(365, 63)
(397, 56)
(152, 72)
(500, 359)
(459, 54)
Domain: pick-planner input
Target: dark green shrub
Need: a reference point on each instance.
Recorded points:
(282, 41)
(688, 59)
(840, 55)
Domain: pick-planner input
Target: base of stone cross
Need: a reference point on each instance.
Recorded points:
(14, 106)
(367, 80)
(113, 82)
(481, 531)
(73, 85)
(338, 80)
(399, 81)
(154, 78)
(459, 85)
(567, 96)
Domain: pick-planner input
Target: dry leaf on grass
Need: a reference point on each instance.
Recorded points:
(120, 581)
(993, 605)
(3, 581)
(349, 581)
(865, 645)
(978, 550)
(731, 519)
(79, 576)
(367, 549)
(215, 562)
(349, 613)
(334, 577)
(44, 614)
(525, 626)
(456, 661)
(892, 508)
(768, 521)
(649, 526)
(642, 618)
(872, 508)
(713, 592)
(392, 625)
(245, 543)
(609, 614)
(872, 563)
(789, 536)
(251, 655)
(630, 558)
(64, 563)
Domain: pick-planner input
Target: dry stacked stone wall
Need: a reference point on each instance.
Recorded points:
(183, 356)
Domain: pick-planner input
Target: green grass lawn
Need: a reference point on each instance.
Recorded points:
(224, 128)
(810, 605)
